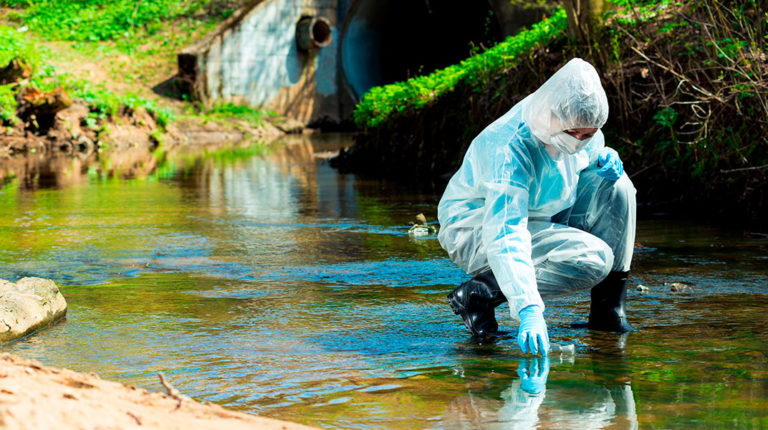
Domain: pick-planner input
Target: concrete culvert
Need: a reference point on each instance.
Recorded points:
(393, 40)
(313, 32)
(259, 56)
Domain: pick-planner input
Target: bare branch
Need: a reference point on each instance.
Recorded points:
(745, 169)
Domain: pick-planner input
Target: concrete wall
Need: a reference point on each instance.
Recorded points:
(253, 57)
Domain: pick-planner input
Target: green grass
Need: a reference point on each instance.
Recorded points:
(102, 103)
(254, 117)
(383, 102)
(98, 20)
(14, 44)
(133, 42)
(7, 104)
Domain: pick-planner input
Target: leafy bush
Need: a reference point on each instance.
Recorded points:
(14, 44)
(380, 103)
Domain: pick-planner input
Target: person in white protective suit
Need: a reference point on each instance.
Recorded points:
(541, 207)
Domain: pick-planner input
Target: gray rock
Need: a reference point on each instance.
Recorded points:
(28, 305)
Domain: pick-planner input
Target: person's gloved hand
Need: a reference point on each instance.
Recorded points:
(532, 336)
(533, 373)
(610, 164)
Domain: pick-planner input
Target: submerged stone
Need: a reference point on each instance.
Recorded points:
(678, 287)
(28, 305)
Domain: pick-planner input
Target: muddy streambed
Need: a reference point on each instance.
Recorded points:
(267, 282)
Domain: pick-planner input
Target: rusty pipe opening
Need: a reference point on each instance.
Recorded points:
(313, 32)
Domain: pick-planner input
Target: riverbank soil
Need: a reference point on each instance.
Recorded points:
(33, 396)
(68, 134)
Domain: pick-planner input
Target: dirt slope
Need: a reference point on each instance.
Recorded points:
(33, 396)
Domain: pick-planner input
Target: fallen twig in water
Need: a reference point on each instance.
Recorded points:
(172, 391)
(136, 418)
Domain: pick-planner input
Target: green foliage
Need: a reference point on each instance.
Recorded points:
(706, 60)
(666, 117)
(7, 104)
(14, 44)
(638, 11)
(106, 104)
(381, 103)
(254, 117)
(94, 20)
(102, 103)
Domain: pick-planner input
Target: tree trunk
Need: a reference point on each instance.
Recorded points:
(583, 18)
(16, 70)
(42, 104)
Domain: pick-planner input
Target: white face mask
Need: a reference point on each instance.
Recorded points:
(568, 144)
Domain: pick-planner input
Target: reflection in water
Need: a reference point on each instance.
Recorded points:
(58, 170)
(601, 399)
(263, 280)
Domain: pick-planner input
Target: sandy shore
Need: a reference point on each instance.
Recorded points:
(33, 396)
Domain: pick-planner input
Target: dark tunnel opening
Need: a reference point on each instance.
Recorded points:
(390, 41)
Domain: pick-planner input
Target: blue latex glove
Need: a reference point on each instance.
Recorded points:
(532, 335)
(533, 373)
(610, 164)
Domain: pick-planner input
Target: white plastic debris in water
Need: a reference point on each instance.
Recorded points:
(563, 351)
(556, 348)
(420, 228)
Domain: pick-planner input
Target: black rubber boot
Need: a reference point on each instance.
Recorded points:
(476, 300)
(607, 310)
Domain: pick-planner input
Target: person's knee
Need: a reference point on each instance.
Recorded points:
(601, 258)
(616, 197)
(623, 191)
(577, 273)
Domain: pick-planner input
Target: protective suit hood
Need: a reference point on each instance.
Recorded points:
(572, 98)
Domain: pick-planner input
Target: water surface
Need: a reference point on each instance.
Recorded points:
(265, 281)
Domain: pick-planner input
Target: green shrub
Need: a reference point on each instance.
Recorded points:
(14, 44)
(380, 103)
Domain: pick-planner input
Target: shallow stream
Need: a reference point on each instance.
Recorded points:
(266, 281)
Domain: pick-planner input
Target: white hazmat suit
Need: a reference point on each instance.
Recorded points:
(527, 202)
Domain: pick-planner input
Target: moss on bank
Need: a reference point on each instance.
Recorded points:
(688, 90)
